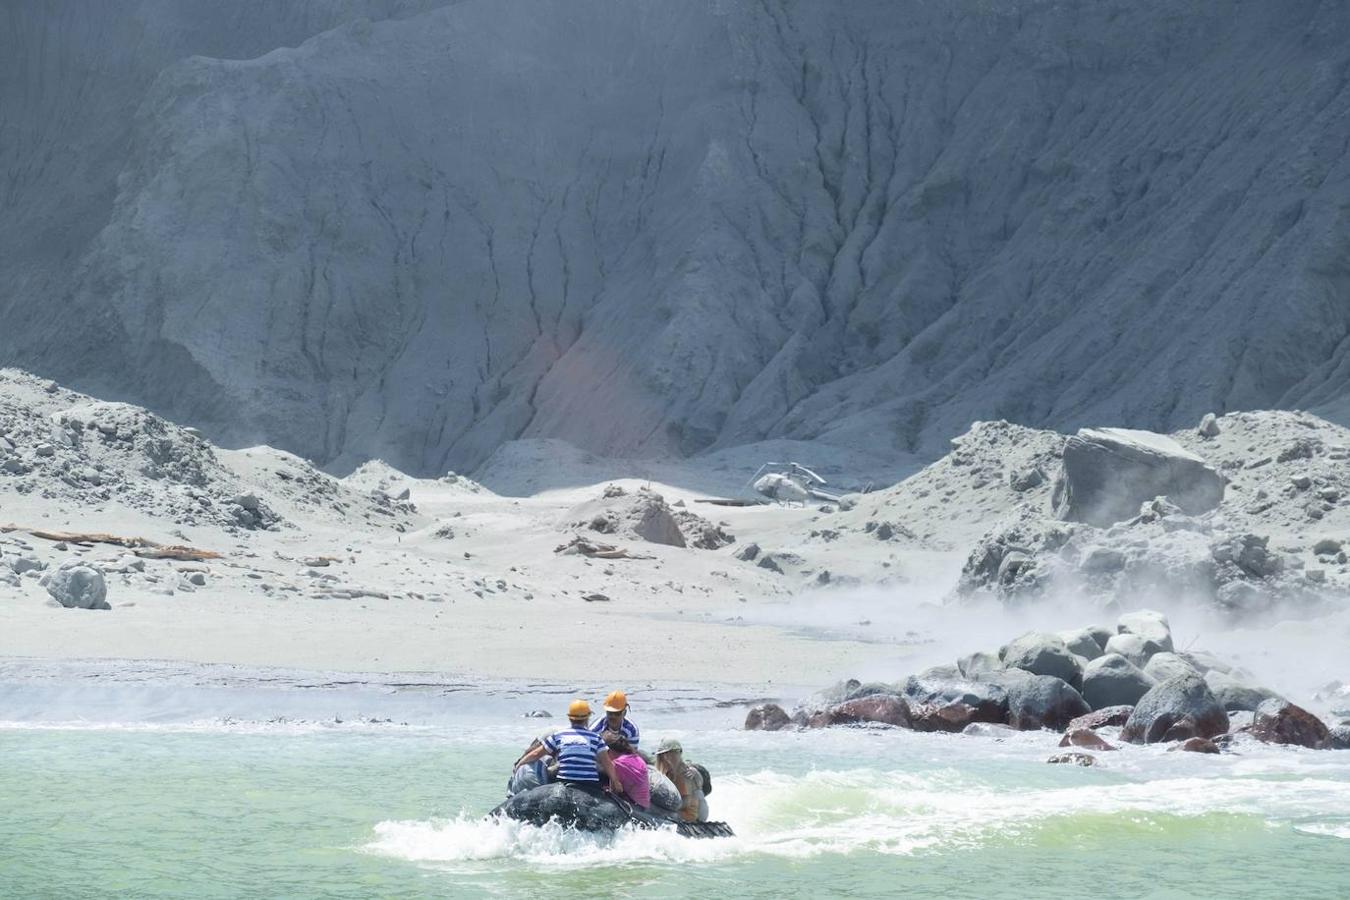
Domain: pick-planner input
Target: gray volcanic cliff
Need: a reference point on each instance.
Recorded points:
(416, 230)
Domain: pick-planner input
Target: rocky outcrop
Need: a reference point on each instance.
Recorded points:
(1179, 708)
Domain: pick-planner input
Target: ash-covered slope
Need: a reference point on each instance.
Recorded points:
(647, 227)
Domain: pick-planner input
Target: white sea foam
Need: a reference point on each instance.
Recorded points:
(893, 813)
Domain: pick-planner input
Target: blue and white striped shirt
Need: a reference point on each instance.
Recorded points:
(629, 730)
(576, 749)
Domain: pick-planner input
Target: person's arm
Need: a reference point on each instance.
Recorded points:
(691, 792)
(607, 766)
(533, 754)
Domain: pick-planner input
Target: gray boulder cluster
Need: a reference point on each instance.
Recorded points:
(58, 442)
(1129, 677)
(1133, 512)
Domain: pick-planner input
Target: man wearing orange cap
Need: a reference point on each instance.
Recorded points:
(580, 752)
(616, 719)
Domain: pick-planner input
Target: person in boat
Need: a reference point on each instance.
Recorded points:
(582, 755)
(688, 780)
(542, 770)
(616, 719)
(633, 784)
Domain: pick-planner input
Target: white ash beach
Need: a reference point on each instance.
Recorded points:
(565, 573)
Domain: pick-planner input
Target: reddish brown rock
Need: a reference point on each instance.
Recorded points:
(767, 717)
(951, 717)
(1102, 718)
(1085, 737)
(1182, 729)
(1195, 745)
(1074, 758)
(884, 709)
(1278, 722)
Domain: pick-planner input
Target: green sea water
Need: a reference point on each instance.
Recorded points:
(228, 810)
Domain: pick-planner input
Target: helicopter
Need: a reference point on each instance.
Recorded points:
(789, 482)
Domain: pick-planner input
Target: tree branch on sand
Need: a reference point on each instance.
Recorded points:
(140, 546)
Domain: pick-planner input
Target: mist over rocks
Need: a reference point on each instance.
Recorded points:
(357, 229)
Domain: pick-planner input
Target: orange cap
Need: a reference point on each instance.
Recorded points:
(579, 709)
(616, 702)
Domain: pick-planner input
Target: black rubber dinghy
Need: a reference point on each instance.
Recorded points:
(583, 810)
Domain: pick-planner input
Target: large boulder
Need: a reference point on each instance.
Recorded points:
(829, 696)
(1174, 710)
(1236, 694)
(1108, 473)
(981, 662)
(1138, 650)
(1112, 680)
(879, 709)
(1196, 745)
(1081, 642)
(1162, 666)
(1042, 654)
(1340, 736)
(942, 703)
(653, 521)
(1039, 701)
(1085, 737)
(767, 717)
(1149, 625)
(1102, 718)
(1281, 722)
(78, 585)
(1101, 634)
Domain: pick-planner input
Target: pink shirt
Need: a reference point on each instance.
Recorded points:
(632, 772)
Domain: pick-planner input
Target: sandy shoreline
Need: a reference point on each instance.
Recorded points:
(544, 641)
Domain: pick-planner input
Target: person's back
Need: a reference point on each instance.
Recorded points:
(576, 750)
(631, 769)
(580, 752)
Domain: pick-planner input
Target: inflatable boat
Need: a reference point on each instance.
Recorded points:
(583, 810)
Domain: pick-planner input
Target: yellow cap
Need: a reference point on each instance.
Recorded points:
(616, 702)
(579, 709)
